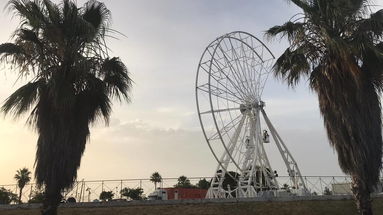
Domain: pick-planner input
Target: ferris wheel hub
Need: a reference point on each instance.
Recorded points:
(249, 107)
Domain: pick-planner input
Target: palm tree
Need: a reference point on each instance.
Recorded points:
(61, 49)
(337, 45)
(156, 178)
(22, 177)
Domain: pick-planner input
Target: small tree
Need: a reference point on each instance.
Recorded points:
(327, 192)
(106, 195)
(133, 193)
(22, 177)
(6, 196)
(231, 182)
(156, 178)
(286, 187)
(37, 196)
(183, 182)
(203, 184)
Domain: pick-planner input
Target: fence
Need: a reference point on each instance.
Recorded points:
(87, 191)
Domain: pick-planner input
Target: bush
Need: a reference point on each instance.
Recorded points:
(71, 200)
(37, 197)
(106, 195)
(134, 194)
(6, 196)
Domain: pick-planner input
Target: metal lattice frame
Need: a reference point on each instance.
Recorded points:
(230, 80)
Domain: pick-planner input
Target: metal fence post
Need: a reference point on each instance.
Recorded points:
(30, 193)
(121, 189)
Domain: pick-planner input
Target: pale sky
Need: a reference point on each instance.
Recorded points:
(159, 130)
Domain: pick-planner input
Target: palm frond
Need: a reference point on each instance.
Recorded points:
(26, 35)
(30, 12)
(289, 29)
(116, 77)
(372, 25)
(97, 14)
(303, 4)
(291, 66)
(53, 12)
(9, 49)
(22, 99)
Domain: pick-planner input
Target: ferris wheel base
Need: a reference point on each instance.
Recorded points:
(251, 193)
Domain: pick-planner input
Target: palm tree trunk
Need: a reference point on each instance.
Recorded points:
(362, 196)
(51, 201)
(20, 193)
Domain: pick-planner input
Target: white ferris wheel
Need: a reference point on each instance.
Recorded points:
(230, 79)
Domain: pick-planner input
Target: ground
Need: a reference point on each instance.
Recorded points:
(312, 207)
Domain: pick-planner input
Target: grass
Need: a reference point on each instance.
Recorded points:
(314, 207)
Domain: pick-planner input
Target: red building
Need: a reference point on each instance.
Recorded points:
(185, 193)
(177, 193)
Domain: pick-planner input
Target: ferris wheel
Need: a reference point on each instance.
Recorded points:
(231, 76)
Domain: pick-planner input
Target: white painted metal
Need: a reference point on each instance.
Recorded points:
(230, 79)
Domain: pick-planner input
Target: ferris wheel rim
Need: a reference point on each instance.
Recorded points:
(216, 43)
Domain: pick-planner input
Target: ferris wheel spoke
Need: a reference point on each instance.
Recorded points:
(265, 74)
(220, 110)
(226, 128)
(226, 89)
(241, 88)
(241, 68)
(250, 70)
(220, 93)
(236, 75)
(220, 79)
(239, 147)
(226, 77)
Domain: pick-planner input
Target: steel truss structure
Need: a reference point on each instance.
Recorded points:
(230, 80)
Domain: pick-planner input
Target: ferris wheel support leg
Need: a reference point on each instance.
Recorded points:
(216, 190)
(267, 173)
(290, 163)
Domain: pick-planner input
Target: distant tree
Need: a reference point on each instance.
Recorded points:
(133, 193)
(229, 181)
(156, 178)
(71, 200)
(37, 196)
(22, 177)
(286, 187)
(183, 182)
(203, 184)
(327, 192)
(106, 195)
(6, 196)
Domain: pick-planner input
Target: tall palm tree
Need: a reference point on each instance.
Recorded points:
(22, 177)
(337, 45)
(156, 178)
(61, 50)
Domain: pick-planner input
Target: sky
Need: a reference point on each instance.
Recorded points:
(159, 130)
